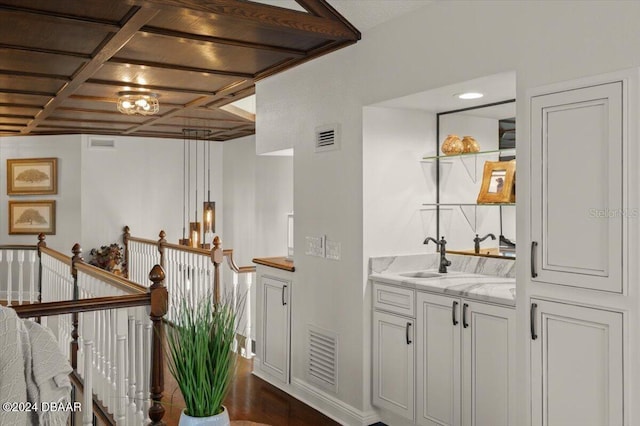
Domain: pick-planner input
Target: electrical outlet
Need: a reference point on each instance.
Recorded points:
(333, 250)
(314, 246)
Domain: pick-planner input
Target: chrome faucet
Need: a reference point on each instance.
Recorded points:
(442, 246)
(477, 241)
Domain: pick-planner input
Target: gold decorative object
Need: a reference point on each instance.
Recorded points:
(469, 144)
(498, 182)
(452, 145)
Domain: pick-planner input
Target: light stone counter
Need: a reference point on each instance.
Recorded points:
(485, 279)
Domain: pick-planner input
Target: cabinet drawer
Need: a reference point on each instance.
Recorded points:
(394, 299)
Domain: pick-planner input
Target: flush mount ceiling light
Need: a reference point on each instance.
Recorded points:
(469, 95)
(138, 103)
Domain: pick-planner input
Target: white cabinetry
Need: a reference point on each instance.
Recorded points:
(576, 296)
(576, 365)
(462, 352)
(273, 337)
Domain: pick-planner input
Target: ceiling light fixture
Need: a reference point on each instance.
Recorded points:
(142, 103)
(469, 95)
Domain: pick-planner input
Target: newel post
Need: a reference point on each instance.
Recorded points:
(159, 307)
(161, 242)
(125, 242)
(77, 257)
(217, 256)
(41, 244)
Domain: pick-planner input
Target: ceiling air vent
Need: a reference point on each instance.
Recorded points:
(99, 143)
(327, 138)
(323, 363)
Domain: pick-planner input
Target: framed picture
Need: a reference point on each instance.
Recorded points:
(32, 217)
(498, 182)
(32, 176)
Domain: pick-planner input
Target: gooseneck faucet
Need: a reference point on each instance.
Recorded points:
(477, 241)
(442, 246)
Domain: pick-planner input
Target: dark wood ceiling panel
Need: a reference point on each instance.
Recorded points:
(145, 75)
(232, 29)
(63, 62)
(18, 29)
(30, 84)
(199, 54)
(95, 9)
(37, 62)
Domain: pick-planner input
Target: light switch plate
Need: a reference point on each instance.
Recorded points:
(314, 246)
(333, 250)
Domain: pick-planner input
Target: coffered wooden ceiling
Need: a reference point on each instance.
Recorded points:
(63, 62)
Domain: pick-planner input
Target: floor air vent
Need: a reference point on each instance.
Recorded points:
(327, 138)
(323, 363)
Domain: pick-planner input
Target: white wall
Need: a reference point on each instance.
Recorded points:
(139, 183)
(68, 204)
(442, 44)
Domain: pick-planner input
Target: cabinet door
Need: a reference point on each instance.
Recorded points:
(576, 365)
(438, 355)
(393, 363)
(275, 328)
(488, 365)
(576, 187)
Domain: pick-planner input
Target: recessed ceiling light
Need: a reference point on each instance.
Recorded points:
(469, 95)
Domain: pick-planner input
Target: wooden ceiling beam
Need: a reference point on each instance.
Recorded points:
(325, 10)
(176, 67)
(34, 75)
(148, 87)
(74, 19)
(189, 37)
(5, 46)
(136, 21)
(264, 15)
(27, 92)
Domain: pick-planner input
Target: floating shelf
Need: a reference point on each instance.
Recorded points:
(468, 210)
(470, 159)
(510, 151)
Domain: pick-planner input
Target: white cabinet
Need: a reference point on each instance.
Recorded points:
(576, 365)
(393, 363)
(577, 213)
(274, 337)
(462, 352)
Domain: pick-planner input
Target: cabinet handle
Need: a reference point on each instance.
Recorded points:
(407, 330)
(534, 336)
(465, 324)
(534, 246)
(284, 302)
(454, 308)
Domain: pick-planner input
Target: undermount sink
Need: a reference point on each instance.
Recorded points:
(421, 274)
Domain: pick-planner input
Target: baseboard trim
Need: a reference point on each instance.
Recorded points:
(320, 400)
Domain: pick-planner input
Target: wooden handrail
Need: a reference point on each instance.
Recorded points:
(111, 279)
(187, 249)
(143, 240)
(17, 247)
(83, 305)
(56, 255)
(228, 253)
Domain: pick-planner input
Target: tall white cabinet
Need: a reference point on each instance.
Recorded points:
(578, 300)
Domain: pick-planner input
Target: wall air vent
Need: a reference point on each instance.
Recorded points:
(100, 143)
(323, 359)
(327, 138)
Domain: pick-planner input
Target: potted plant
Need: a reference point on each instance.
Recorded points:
(110, 258)
(200, 357)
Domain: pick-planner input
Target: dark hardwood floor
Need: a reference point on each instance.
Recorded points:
(253, 399)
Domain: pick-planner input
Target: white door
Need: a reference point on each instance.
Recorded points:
(488, 365)
(275, 328)
(438, 360)
(393, 363)
(577, 209)
(576, 365)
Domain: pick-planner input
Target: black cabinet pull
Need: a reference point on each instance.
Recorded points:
(454, 308)
(534, 246)
(284, 302)
(465, 324)
(534, 336)
(407, 330)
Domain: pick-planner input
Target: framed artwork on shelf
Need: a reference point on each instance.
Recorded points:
(32, 217)
(32, 176)
(498, 182)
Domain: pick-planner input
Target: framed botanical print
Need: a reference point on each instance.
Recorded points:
(498, 182)
(32, 217)
(32, 176)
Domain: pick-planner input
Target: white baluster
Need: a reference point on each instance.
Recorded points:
(88, 336)
(121, 371)
(20, 275)
(147, 365)
(9, 277)
(32, 275)
(131, 410)
(139, 366)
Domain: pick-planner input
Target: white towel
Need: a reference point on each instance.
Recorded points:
(15, 354)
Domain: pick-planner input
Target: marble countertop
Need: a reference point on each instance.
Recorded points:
(483, 279)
